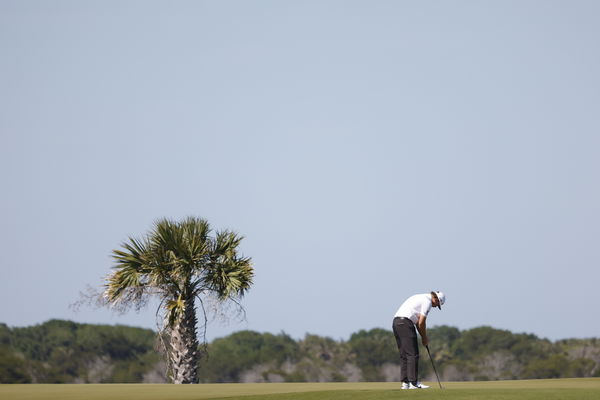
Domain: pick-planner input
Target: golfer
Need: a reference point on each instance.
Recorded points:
(413, 312)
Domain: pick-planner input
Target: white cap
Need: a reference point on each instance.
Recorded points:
(441, 297)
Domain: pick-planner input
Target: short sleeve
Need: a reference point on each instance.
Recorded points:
(425, 307)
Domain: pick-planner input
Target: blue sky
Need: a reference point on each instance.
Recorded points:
(367, 150)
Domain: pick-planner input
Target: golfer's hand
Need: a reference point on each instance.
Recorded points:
(425, 340)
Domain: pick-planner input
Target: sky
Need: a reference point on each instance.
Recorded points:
(366, 150)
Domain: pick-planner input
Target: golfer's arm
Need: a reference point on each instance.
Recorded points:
(422, 328)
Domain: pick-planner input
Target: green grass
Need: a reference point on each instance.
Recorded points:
(563, 389)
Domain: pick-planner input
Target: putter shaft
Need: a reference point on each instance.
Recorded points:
(433, 365)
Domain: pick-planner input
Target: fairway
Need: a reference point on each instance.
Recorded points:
(580, 389)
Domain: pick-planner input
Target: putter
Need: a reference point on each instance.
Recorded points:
(433, 365)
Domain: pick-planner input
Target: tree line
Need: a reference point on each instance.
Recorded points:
(61, 351)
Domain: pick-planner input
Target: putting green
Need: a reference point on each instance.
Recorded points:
(576, 389)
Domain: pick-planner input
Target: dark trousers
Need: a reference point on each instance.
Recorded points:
(406, 339)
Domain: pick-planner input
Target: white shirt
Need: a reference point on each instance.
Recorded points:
(414, 306)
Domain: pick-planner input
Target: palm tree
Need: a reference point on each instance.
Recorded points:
(180, 262)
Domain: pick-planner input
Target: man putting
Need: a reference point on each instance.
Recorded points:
(413, 312)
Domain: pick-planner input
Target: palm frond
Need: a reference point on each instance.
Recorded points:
(226, 243)
(227, 275)
(128, 276)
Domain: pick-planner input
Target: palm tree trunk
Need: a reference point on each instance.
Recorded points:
(184, 346)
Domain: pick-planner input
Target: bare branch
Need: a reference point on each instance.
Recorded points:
(204, 343)
(90, 297)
